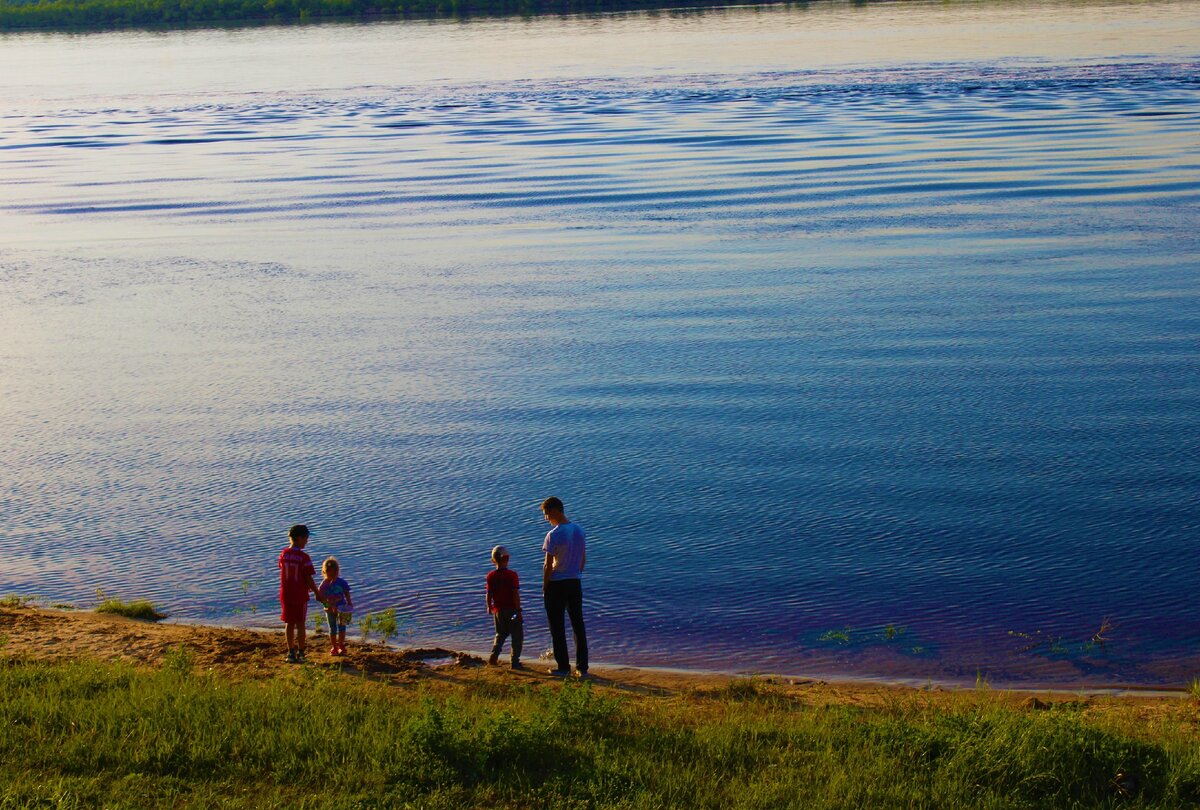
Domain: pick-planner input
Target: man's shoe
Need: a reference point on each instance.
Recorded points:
(493, 660)
(583, 675)
(517, 665)
(559, 673)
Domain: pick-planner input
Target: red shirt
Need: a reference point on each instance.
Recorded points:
(295, 568)
(502, 586)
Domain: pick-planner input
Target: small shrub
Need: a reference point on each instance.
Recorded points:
(579, 710)
(742, 689)
(179, 660)
(137, 609)
(383, 623)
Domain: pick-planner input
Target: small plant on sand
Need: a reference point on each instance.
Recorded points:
(383, 623)
(892, 632)
(1193, 688)
(3, 642)
(13, 601)
(138, 609)
(981, 681)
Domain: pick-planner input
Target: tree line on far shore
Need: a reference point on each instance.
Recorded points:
(107, 14)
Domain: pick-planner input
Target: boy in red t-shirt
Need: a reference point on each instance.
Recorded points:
(296, 574)
(504, 603)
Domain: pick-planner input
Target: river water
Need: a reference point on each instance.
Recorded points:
(862, 339)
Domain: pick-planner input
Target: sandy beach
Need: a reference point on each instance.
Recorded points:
(239, 653)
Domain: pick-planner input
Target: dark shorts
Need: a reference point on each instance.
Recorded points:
(295, 608)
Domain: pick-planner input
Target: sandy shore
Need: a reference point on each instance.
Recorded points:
(238, 653)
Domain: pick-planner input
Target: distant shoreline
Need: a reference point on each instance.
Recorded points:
(87, 16)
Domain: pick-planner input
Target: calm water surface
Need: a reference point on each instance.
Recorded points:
(862, 340)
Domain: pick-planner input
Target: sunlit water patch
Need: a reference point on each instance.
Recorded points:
(865, 369)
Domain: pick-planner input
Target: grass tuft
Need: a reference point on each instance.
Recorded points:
(179, 660)
(137, 609)
(383, 623)
(837, 636)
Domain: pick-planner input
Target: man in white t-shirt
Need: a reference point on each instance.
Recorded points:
(565, 548)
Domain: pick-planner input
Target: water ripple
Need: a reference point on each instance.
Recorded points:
(810, 354)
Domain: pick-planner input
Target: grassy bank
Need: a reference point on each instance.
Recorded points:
(74, 15)
(83, 733)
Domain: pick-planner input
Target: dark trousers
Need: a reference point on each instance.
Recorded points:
(566, 595)
(509, 621)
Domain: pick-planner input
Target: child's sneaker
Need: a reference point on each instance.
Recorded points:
(300, 659)
(291, 657)
(341, 649)
(334, 650)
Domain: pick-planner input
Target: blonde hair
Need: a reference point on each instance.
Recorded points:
(330, 564)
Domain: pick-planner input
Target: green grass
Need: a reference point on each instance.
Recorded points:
(137, 609)
(84, 734)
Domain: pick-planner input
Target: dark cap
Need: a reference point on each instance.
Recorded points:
(299, 530)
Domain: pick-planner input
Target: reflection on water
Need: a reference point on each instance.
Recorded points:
(846, 367)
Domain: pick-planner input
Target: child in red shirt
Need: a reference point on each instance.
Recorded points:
(295, 581)
(504, 603)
